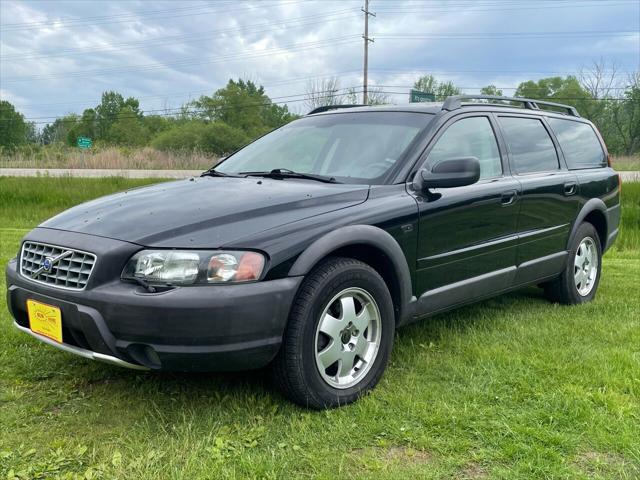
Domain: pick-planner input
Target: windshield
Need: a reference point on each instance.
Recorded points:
(358, 147)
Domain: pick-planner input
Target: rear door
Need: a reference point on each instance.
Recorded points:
(550, 198)
(467, 235)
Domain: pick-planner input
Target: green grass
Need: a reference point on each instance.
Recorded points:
(512, 387)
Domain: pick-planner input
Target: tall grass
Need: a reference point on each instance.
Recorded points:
(629, 237)
(62, 156)
(629, 162)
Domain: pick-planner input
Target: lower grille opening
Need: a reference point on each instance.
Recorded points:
(144, 355)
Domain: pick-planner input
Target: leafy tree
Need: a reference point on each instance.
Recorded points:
(241, 104)
(427, 84)
(222, 139)
(564, 90)
(625, 119)
(86, 126)
(442, 90)
(109, 108)
(215, 138)
(155, 124)
(491, 90)
(31, 134)
(181, 137)
(275, 116)
(13, 129)
(127, 129)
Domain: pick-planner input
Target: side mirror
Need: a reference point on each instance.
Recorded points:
(455, 172)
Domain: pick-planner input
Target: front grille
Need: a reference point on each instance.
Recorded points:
(69, 269)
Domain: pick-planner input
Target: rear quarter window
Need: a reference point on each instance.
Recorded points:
(579, 144)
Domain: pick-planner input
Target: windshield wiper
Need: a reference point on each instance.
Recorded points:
(213, 173)
(280, 173)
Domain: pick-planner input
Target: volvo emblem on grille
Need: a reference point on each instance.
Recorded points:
(47, 263)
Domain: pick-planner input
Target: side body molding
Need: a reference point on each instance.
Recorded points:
(593, 204)
(360, 235)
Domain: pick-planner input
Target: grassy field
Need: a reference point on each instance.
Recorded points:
(148, 158)
(631, 162)
(104, 157)
(510, 388)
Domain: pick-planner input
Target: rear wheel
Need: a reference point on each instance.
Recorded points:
(339, 335)
(579, 281)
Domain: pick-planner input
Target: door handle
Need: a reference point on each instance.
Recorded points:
(509, 197)
(570, 188)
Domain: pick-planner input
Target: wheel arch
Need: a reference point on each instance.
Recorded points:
(595, 213)
(371, 245)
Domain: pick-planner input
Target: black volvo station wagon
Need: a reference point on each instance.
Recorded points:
(305, 250)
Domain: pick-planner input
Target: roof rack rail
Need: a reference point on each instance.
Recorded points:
(326, 108)
(455, 102)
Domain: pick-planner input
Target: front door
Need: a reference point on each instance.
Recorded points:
(467, 235)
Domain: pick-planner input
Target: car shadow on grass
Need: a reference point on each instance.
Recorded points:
(251, 387)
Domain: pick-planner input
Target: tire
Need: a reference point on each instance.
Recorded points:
(566, 288)
(299, 368)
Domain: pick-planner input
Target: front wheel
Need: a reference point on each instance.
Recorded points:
(579, 281)
(339, 335)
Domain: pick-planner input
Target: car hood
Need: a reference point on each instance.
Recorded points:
(205, 212)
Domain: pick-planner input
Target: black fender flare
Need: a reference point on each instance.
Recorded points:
(358, 235)
(593, 204)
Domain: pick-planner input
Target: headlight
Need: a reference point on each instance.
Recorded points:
(186, 267)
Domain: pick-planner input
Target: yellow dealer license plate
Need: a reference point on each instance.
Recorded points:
(45, 320)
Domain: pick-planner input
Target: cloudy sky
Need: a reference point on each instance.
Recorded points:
(57, 57)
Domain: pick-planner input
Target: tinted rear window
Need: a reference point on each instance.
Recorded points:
(530, 146)
(579, 143)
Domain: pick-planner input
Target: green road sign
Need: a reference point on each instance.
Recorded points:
(416, 96)
(84, 142)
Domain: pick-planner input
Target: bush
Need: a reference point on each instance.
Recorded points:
(216, 138)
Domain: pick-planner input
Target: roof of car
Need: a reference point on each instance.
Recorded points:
(462, 102)
(424, 107)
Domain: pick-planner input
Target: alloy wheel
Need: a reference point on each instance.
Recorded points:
(348, 338)
(585, 266)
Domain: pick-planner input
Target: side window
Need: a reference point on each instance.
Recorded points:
(530, 145)
(579, 143)
(469, 137)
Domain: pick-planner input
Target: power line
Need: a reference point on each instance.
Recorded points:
(326, 17)
(172, 95)
(179, 111)
(511, 35)
(191, 61)
(513, 7)
(93, 23)
(173, 112)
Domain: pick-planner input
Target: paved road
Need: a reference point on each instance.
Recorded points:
(97, 173)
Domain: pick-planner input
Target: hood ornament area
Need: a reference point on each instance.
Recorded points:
(47, 263)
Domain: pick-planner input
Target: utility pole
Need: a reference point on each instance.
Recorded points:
(366, 38)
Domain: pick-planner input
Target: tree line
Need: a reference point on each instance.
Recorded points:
(241, 111)
(215, 125)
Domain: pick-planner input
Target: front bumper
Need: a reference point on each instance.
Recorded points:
(195, 328)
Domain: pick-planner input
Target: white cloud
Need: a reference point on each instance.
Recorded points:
(167, 52)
